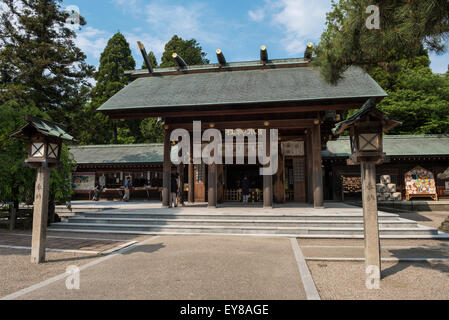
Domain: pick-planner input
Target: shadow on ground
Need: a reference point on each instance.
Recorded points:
(428, 252)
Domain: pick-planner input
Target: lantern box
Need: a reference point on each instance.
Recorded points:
(45, 141)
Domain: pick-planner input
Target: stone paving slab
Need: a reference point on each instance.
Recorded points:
(187, 267)
(401, 280)
(385, 253)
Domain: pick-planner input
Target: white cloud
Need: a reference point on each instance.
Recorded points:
(300, 20)
(92, 41)
(188, 21)
(257, 15)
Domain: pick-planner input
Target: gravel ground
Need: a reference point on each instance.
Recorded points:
(18, 272)
(190, 267)
(405, 281)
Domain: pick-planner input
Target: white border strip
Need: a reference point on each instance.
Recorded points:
(383, 259)
(63, 275)
(51, 249)
(306, 277)
(121, 246)
(382, 247)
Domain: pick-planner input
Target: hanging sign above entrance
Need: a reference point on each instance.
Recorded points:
(292, 148)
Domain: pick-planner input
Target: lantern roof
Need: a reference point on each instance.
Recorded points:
(41, 127)
(368, 109)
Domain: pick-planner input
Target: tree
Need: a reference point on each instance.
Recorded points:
(404, 27)
(39, 62)
(16, 181)
(152, 130)
(152, 59)
(420, 99)
(190, 51)
(42, 73)
(115, 59)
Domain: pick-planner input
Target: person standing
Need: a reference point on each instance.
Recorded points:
(174, 191)
(127, 189)
(96, 192)
(245, 189)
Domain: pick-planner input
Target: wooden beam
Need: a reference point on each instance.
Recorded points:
(263, 54)
(221, 58)
(181, 63)
(166, 184)
(212, 186)
(251, 124)
(309, 51)
(309, 157)
(40, 215)
(268, 179)
(317, 169)
(145, 57)
(224, 110)
(370, 217)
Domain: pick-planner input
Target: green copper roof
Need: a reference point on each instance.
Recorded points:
(119, 154)
(396, 145)
(265, 85)
(44, 127)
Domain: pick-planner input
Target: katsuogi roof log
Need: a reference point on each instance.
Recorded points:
(221, 58)
(263, 54)
(145, 57)
(181, 63)
(309, 51)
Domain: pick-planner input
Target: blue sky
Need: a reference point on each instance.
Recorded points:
(238, 28)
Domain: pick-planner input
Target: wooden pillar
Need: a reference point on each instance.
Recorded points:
(181, 184)
(317, 169)
(212, 186)
(190, 177)
(40, 215)
(309, 156)
(279, 181)
(166, 186)
(220, 183)
(370, 215)
(268, 179)
(12, 218)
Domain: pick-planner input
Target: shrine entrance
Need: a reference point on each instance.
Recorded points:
(233, 175)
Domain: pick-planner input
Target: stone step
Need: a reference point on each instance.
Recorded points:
(226, 216)
(180, 229)
(402, 223)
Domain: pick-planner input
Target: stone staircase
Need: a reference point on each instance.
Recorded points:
(286, 222)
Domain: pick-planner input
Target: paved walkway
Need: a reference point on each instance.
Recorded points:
(171, 267)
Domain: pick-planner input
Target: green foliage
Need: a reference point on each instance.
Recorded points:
(16, 181)
(152, 130)
(61, 189)
(44, 74)
(420, 99)
(404, 27)
(152, 59)
(97, 128)
(190, 51)
(39, 62)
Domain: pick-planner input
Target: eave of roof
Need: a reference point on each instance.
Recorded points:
(396, 145)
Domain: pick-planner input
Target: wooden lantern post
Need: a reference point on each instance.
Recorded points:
(44, 151)
(365, 128)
